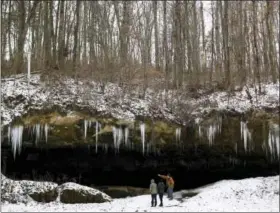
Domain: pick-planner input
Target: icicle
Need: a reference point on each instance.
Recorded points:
(236, 148)
(211, 134)
(197, 122)
(34, 130)
(142, 128)
(38, 128)
(273, 140)
(16, 139)
(263, 145)
(9, 134)
(178, 134)
(114, 130)
(126, 134)
(85, 128)
(46, 132)
(245, 134)
(96, 135)
(212, 130)
(120, 137)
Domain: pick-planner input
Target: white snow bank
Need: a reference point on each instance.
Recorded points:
(252, 194)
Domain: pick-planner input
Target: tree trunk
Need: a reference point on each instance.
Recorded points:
(156, 36)
(85, 23)
(61, 37)
(196, 50)
(46, 36)
(76, 37)
(256, 50)
(21, 37)
(272, 52)
(225, 23)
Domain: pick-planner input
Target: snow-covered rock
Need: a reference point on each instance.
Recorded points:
(124, 103)
(25, 191)
(75, 193)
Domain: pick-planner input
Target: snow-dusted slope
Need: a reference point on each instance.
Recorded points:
(122, 103)
(253, 194)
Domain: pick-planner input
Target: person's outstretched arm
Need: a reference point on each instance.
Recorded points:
(162, 176)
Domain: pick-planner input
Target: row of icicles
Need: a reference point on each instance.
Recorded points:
(15, 135)
(121, 135)
(246, 136)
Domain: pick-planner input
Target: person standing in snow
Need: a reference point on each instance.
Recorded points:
(161, 187)
(170, 185)
(153, 190)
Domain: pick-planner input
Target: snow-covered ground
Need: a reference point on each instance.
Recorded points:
(252, 194)
(123, 102)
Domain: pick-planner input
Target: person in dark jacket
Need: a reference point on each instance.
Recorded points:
(161, 187)
(169, 183)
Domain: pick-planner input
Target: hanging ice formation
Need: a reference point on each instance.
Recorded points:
(211, 134)
(245, 134)
(199, 131)
(273, 141)
(9, 134)
(126, 135)
(211, 131)
(16, 139)
(85, 128)
(118, 137)
(37, 132)
(97, 128)
(87, 124)
(178, 135)
(197, 122)
(105, 148)
(46, 132)
(114, 131)
(142, 129)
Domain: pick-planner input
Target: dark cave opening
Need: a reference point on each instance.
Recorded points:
(129, 168)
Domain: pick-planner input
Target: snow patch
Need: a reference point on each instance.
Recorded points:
(248, 195)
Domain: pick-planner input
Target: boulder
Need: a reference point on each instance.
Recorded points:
(24, 191)
(75, 193)
(45, 196)
(15, 198)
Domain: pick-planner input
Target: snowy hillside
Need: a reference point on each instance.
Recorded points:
(122, 103)
(253, 194)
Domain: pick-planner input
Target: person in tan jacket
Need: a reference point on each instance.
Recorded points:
(170, 185)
